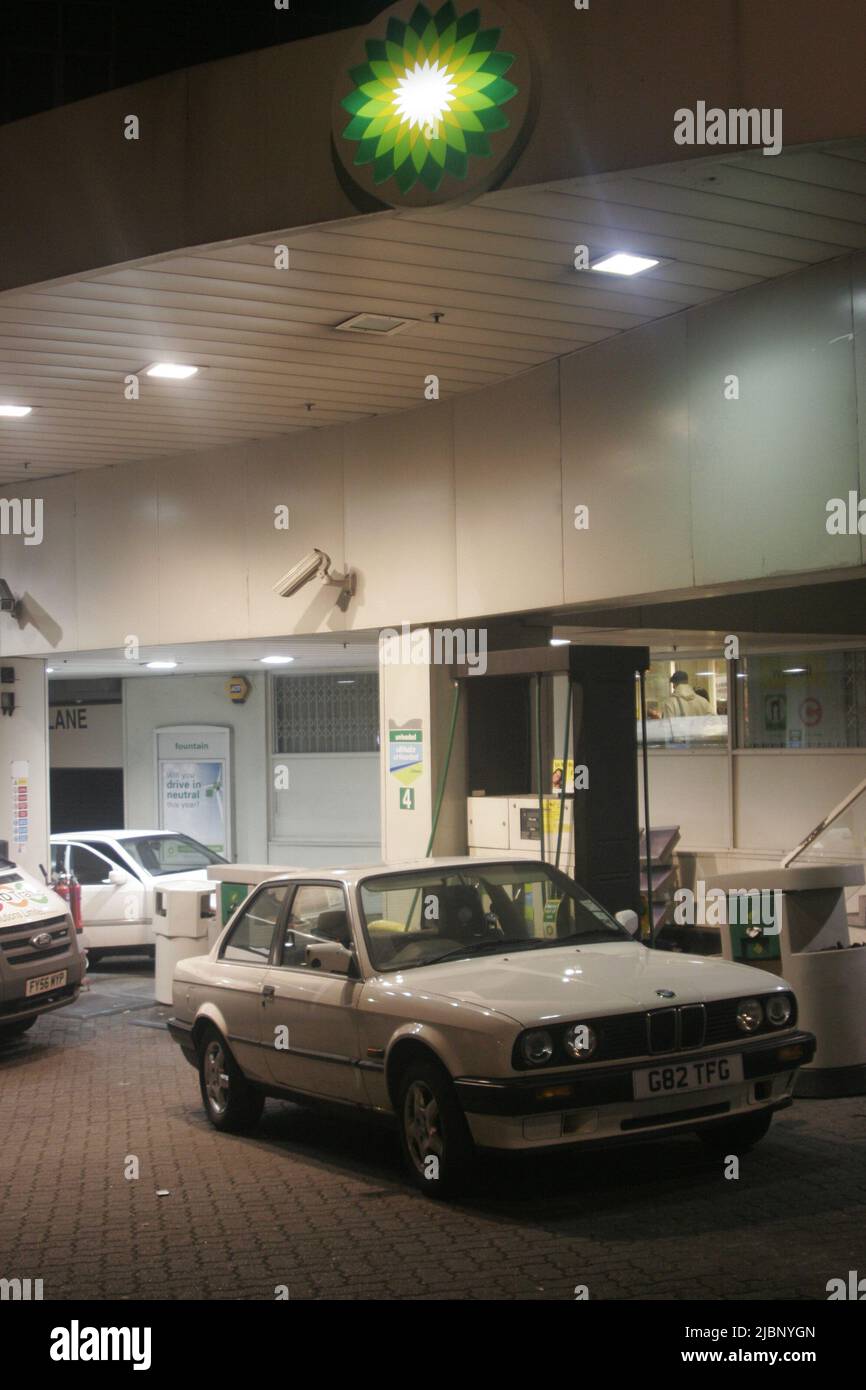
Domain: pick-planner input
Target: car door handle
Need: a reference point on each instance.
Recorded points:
(268, 991)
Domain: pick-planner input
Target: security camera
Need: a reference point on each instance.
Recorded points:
(313, 564)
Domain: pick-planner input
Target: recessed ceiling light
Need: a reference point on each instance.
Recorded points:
(172, 371)
(161, 665)
(622, 263)
(15, 412)
(275, 660)
(49, 670)
(382, 325)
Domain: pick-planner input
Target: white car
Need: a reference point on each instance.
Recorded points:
(120, 873)
(484, 1005)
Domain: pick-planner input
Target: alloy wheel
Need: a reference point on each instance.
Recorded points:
(216, 1077)
(422, 1125)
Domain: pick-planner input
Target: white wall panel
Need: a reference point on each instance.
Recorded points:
(625, 457)
(764, 466)
(781, 796)
(202, 547)
(117, 520)
(509, 495)
(303, 472)
(690, 791)
(399, 473)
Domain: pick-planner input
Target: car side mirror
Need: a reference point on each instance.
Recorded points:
(331, 957)
(629, 919)
(118, 877)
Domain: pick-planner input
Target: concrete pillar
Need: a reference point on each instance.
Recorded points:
(24, 801)
(415, 707)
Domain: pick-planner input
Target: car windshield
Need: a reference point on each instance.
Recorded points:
(421, 918)
(170, 854)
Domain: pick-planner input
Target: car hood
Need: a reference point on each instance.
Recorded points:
(24, 901)
(185, 876)
(567, 982)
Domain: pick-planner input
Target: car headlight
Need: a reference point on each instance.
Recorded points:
(581, 1041)
(779, 1010)
(537, 1048)
(750, 1015)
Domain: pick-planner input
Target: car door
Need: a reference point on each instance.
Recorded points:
(235, 987)
(309, 1021)
(105, 906)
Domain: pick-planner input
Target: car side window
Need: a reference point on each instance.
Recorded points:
(318, 912)
(58, 859)
(89, 868)
(117, 860)
(252, 935)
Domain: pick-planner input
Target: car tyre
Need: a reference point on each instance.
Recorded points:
(231, 1104)
(437, 1146)
(737, 1135)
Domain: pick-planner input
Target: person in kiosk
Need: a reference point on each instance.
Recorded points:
(683, 700)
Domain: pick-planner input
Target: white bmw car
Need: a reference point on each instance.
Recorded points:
(482, 1006)
(120, 873)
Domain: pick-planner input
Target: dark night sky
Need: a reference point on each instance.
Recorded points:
(56, 51)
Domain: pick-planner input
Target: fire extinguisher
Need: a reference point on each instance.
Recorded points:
(66, 886)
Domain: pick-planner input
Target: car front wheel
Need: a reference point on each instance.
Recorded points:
(231, 1103)
(737, 1135)
(437, 1146)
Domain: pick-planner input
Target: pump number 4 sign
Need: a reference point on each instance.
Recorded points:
(407, 798)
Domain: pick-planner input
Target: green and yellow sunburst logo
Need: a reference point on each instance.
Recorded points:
(429, 99)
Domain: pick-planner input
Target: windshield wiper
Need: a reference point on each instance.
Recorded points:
(503, 942)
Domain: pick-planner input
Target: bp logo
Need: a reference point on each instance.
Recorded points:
(434, 104)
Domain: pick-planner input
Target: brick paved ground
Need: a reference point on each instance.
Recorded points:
(321, 1206)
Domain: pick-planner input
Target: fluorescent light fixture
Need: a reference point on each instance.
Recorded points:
(161, 665)
(741, 676)
(171, 371)
(560, 642)
(795, 670)
(14, 412)
(275, 660)
(346, 682)
(623, 263)
(49, 670)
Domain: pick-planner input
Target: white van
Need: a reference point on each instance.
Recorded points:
(41, 965)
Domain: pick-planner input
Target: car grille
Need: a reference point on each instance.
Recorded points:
(15, 940)
(685, 1027)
